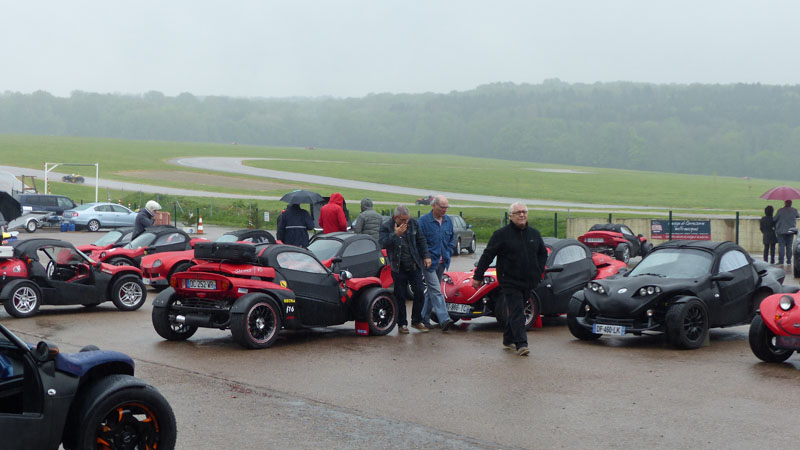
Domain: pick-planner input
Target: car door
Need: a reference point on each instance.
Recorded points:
(316, 289)
(169, 242)
(64, 286)
(123, 217)
(733, 305)
(104, 214)
(362, 258)
(577, 269)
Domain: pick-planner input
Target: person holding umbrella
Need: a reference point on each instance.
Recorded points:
(293, 226)
(786, 228)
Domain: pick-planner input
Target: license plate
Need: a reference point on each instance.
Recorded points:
(201, 284)
(595, 240)
(787, 342)
(458, 307)
(616, 330)
(145, 280)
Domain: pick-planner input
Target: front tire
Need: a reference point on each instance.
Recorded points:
(93, 225)
(687, 324)
(762, 342)
(128, 293)
(473, 245)
(166, 326)
(121, 261)
(132, 417)
(258, 326)
(457, 248)
(623, 253)
(574, 310)
(380, 310)
(24, 300)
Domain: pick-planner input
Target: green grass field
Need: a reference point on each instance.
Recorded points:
(676, 192)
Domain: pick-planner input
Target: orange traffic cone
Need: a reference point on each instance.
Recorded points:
(200, 225)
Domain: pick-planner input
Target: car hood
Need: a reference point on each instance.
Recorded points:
(621, 299)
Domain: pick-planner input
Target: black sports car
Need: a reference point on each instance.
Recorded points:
(358, 253)
(681, 288)
(72, 178)
(84, 400)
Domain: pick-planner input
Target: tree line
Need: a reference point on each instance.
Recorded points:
(734, 130)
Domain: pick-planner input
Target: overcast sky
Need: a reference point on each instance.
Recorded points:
(350, 48)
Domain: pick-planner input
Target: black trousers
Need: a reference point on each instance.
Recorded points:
(402, 280)
(515, 313)
(769, 251)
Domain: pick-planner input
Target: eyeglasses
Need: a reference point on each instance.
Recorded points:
(520, 213)
(443, 207)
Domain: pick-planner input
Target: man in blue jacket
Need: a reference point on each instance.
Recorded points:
(438, 230)
(294, 225)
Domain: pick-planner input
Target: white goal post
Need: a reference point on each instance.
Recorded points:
(51, 166)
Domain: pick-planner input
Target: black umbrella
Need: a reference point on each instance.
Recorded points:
(301, 196)
(9, 207)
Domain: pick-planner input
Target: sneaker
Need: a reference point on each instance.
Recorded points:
(447, 324)
(510, 347)
(420, 326)
(402, 329)
(523, 351)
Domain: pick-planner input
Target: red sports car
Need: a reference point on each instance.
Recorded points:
(775, 330)
(114, 238)
(616, 240)
(157, 239)
(158, 268)
(570, 265)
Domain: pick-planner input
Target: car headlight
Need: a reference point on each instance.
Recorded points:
(102, 255)
(488, 280)
(786, 303)
(446, 278)
(596, 287)
(649, 290)
(157, 263)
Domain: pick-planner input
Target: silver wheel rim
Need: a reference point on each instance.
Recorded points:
(94, 226)
(130, 294)
(25, 300)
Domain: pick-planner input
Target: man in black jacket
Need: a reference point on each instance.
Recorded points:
(521, 256)
(408, 255)
(293, 226)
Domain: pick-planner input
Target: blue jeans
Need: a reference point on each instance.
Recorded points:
(402, 280)
(785, 245)
(434, 300)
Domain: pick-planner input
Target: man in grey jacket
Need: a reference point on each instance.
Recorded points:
(786, 228)
(369, 221)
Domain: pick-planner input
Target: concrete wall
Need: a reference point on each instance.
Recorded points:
(721, 230)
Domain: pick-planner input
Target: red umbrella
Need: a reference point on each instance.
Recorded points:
(781, 193)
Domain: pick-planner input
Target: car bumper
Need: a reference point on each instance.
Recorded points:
(631, 326)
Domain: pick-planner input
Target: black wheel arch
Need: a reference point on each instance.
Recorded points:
(163, 297)
(359, 308)
(8, 288)
(238, 306)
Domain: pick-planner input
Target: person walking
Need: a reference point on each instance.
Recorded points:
(408, 254)
(437, 228)
(786, 227)
(369, 221)
(331, 216)
(769, 238)
(521, 257)
(293, 226)
(145, 218)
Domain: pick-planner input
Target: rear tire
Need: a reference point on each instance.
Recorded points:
(531, 311)
(165, 324)
(457, 248)
(31, 226)
(574, 310)
(762, 342)
(687, 324)
(24, 300)
(258, 326)
(93, 225)
(473, 245)
(128, 293)
(380, 310)
(623, 253)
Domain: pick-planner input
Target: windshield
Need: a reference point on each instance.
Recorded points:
(675, 263)
(325, 248)
(109, 238)
(228, 238)
(143, 240)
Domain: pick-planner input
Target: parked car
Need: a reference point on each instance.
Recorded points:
(570, 265)
(616, 240)
(73, 178)
(795, 255)
(158, 268)
(255, 291)
(45, 203)
(93, 216)
(114, 238)
(53, 272)
(680, 289)
(424, 200)
(775, 330)
(90, 399)
(359, 254)
(464, 236)
(156, 239)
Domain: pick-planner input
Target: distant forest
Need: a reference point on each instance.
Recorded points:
(736, 130)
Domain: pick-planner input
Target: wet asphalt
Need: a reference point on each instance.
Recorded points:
(329, 388)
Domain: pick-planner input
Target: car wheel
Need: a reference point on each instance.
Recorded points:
(762, 342)
(165, 323)
(687, 324)
(623, 253)
(258, 326)
(132, 417)
(24, 300)
(473, 245)
(31, 226)
(120, 261)
(646, 248)
(50, 270)
(128, 293)
(531, 311)
(180, 267)
(93, 225)
(380, 311)
(577, 309)
(457, 249)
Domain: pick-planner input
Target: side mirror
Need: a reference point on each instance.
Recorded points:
(345, 275)
(45, 351)
(722, 276)
(336, 260)
(469, 226)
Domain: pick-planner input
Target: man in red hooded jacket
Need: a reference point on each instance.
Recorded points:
(331, 216)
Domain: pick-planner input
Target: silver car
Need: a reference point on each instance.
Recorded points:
(96, 215)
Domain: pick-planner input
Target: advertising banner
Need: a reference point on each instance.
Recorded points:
(693, 230)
